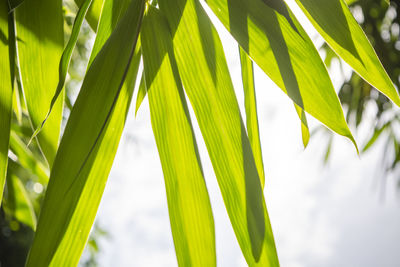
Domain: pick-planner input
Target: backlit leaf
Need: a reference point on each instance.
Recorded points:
(66, 57)
(205, 77)
(94, 12)
(189, 207)
(39, 27)
(141, 94)
(305, 132)
(274, 39)
(251, 111)
(6, 91)
(88, 147)
(336, 24)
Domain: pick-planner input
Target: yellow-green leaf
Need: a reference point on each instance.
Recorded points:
(88, 147)
(66, 58)
(113, 10)
(94, 12)
(205, 77)
(189, 206)
(142, 92)
(6, 91)
(336, 24)
(250, 105)
(305, 132)
(271, 35)
(39, 27)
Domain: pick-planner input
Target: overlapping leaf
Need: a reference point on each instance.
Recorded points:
(250, 105)
(12, 4)
(189, 207)
(336, 24)
(88, 147)
(6, 92)
(94, 12)
(205, 77)
(66, 58)
(274, 39)
(39, 27)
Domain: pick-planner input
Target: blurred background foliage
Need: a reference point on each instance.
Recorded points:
(28, 172)
(361, 101)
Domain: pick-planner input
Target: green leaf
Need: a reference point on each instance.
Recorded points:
(141, 94)
(251, 111)
(274, 39)
(94, 12)
(18, 203)
(12, 4)
(16, 103)
(336, 24)
(66, 58)
(189, 206)
(39, 27)
(88, 147)
(28, 160)
(113, 10)
(6, 91)
(205, 77)
(305, 132)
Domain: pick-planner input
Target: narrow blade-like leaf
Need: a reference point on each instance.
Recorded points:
(271, 35)
(205, 77)
(88, 148)
(66, 57)
(250, 105)
(336, 24)
(112, 12)
(94, 12)
(189, 206)
(40, 42)
(142, 92)
(6, 91)
(305, 132)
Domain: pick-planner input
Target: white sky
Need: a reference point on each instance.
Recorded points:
(321, 216)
